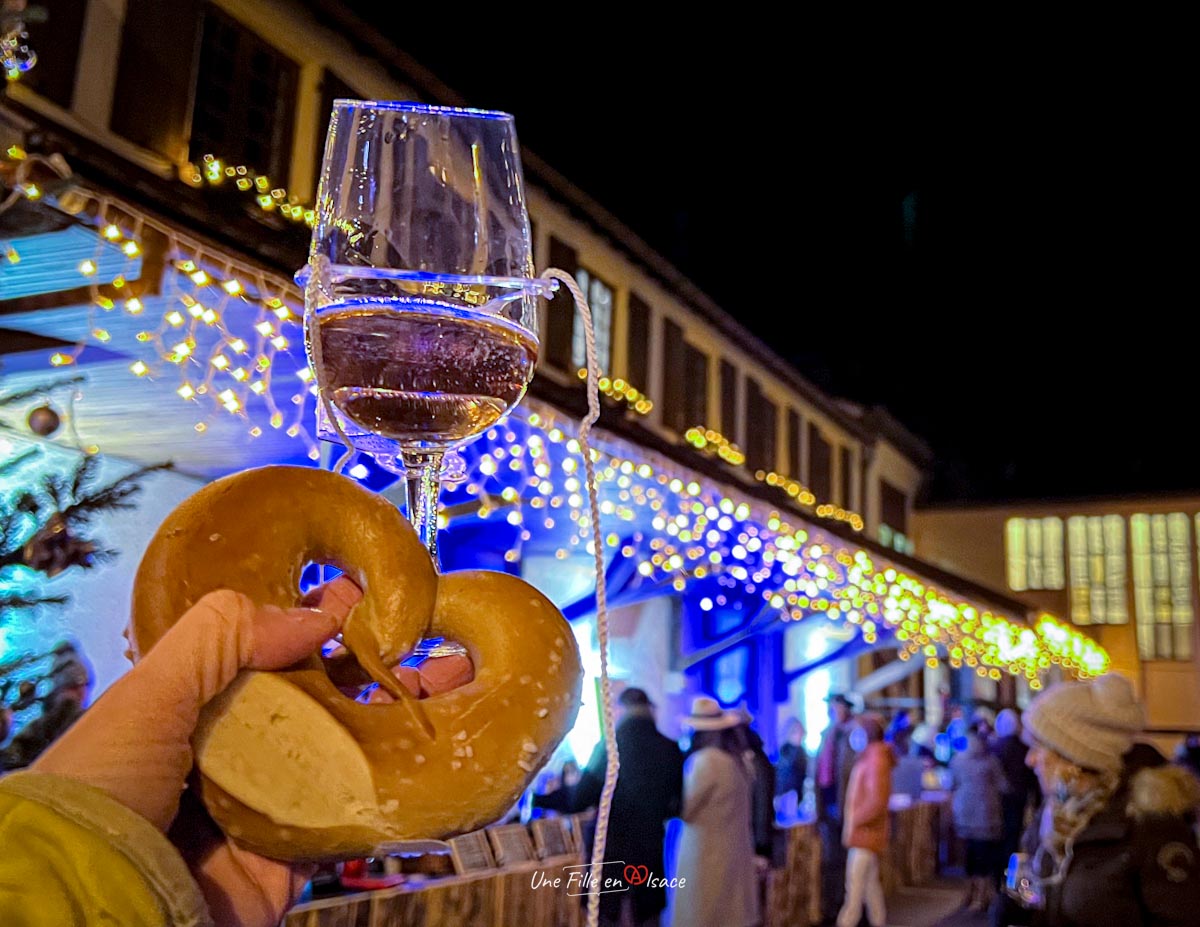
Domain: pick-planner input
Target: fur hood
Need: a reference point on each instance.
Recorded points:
(1163, 791)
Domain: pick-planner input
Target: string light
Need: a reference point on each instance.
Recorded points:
(704, 439)
(621, 391)
(214, 172)
(695, 530)
(211, 303)
(687, 530)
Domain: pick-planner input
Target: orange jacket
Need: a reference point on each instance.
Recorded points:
(866, 818)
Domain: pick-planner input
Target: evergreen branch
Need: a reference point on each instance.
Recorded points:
(82, 474)
(37, 391)
(117, 495)
(15, 602)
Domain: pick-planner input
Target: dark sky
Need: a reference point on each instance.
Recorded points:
(1031, 314)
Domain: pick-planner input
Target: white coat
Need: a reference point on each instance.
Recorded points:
(716, 849)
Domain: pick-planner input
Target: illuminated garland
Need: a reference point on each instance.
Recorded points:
(621, 391)
(16, 55)
(214, 172)
(706, 439)
(680, 528)
(528, 474)
(226, 326)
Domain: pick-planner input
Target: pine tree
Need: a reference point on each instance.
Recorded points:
(41, 522)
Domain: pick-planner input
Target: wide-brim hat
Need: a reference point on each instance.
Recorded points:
(708, 715)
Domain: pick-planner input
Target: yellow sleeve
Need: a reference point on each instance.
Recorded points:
(73, 856)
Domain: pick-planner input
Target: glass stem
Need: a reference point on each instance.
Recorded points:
(422, 481)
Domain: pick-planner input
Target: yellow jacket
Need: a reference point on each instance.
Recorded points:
(71, 856)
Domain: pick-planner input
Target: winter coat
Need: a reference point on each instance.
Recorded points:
(791, 770)
(908, 778)
(1022, 781)
(762, 805)
(75, 856)
(1135, 864)
(831, 801)
(979, 783)
(716, 855)
(649, 792)
(867, 823)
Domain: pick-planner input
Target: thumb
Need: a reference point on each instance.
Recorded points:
(280, 637)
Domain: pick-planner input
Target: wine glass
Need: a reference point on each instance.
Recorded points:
(420, 295)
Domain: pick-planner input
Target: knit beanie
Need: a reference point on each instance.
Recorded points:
(1091, 723)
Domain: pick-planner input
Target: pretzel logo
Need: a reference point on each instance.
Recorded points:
(293, 768)
(636, 875)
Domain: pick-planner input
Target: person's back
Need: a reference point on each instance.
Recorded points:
(792, 768)
(978, 784)
(716, 852)
(649, 788)
(649, 791)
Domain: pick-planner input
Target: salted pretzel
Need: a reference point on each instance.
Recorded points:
(291, 767)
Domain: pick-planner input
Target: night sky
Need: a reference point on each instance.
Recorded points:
(993, 246)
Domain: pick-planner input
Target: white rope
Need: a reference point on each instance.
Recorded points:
(613, 763)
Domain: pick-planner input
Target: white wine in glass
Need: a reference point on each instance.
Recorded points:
(419, 289)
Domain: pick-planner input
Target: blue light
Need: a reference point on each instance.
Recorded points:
(49, 263)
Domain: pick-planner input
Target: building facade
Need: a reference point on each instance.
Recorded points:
(1122, 570)
(759, 536)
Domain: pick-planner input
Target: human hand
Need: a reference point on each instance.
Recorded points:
(135, 742)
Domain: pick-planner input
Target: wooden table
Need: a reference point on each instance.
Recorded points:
(506, 898)
(496, 898)
(794, 892)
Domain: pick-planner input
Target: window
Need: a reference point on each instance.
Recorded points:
(847, 458)
(729, 675)
(560, 311)
(637, 345)
(695, 376)
(674, 410)
(760, 428)
(793, 444)
(1162, 585)
(896, 540)
(1096, 548)
(820, 465)
(893, 518)
(156, 75)
(600, 298)
(332, 88)
(245, 98)
(729, 401)
(1033, 550)
(56, 42)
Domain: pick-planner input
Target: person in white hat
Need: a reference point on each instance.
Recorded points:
(1115, 841)
(716, 848)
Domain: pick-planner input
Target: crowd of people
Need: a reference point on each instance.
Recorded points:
(1066, 817)
(1063, 816)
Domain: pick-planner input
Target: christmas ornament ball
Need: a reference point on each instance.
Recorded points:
(44, 421)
